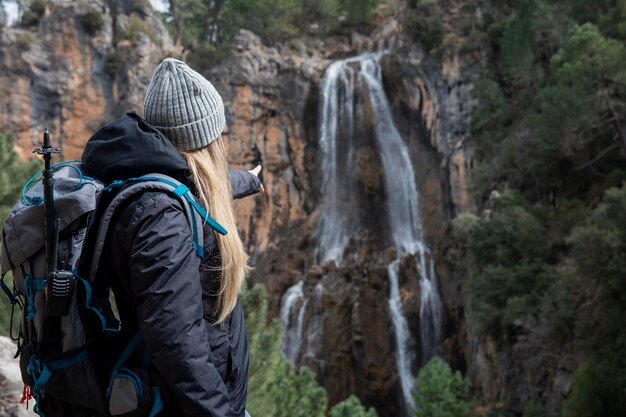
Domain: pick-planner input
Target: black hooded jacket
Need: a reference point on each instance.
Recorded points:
(161, 287)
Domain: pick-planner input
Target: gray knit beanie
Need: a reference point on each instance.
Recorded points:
(184, 106)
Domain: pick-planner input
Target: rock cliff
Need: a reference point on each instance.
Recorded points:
(273, 103)
(63, 76)
(74, 80)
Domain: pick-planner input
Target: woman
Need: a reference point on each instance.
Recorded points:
(186, 308)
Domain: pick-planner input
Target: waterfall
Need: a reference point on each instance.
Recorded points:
(402, 334)
(291, 315)
(337, 118)
(363, 75)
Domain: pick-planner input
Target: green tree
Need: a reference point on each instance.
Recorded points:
(351, 407)
(13, 175)
(533, 410)
(439, 392)
(275, 388)
(359, 11)
(599, 249)
(511, 252)
(518, 56)
(272, 20)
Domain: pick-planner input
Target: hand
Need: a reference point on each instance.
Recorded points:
(255, 172)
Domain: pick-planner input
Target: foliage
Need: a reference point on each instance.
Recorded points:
(272, 20)
(24, 40)
(517, 47)
(196, 24)
(423, 24)
(205, 56)
(593, 395)
(138, 25)
(111, 63)
(533, 410)
(296, 393)
(498, 411)
(33, 13)
(324, 12)
(511, 251)
(274, 387)
(533, 126)
(351, 407)
(439, 392)
(599, 249)
(13, 175)
(92, 21)
(359, 11)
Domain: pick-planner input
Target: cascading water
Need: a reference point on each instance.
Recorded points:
(343, 79)
(291, 315)
(402, 206)
(337, 118)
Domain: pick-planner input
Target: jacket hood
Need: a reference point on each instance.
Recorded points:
(130, 147)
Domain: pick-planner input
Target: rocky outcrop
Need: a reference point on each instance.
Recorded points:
(272, 101)
(66, 78)
(73, 80)
(11, 383)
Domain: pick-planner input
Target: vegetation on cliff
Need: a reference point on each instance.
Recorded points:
(549, 134)
(205, 29)
(439, 392)
(275, 387)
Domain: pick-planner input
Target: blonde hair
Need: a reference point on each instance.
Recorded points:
(209, 171)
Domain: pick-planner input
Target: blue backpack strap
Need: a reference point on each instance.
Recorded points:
(41, 372)
(196, 215)
(179, 190)
(32, 285)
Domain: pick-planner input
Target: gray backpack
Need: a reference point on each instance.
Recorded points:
(62, 359)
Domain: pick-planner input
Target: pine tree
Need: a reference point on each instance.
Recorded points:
(439, 392)
(275, 388)
(351, 407)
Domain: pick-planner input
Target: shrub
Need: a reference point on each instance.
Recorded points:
(24, 40)
(137, 25)
(205, 56)
(92, 21)
(511, 252)
(111, 64)
(439, 392)
(599, 249)
(533, 410)
(351, 407)
(275, 388)
(34, 13)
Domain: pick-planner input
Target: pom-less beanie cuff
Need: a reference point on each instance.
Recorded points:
(184, 106)
(194, 135)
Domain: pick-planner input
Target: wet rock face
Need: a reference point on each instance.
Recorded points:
(62, 77)
(273, 103)
(64, 80)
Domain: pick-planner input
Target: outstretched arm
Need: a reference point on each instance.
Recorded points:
(165, 281)
(245, 183)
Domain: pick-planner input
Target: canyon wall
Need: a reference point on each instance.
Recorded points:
(62, 76)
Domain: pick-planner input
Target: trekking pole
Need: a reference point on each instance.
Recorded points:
(60, 283)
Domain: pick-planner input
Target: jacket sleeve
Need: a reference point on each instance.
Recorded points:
(243, 183)
(166, 284)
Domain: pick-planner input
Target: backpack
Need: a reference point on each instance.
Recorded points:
(67, 358)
